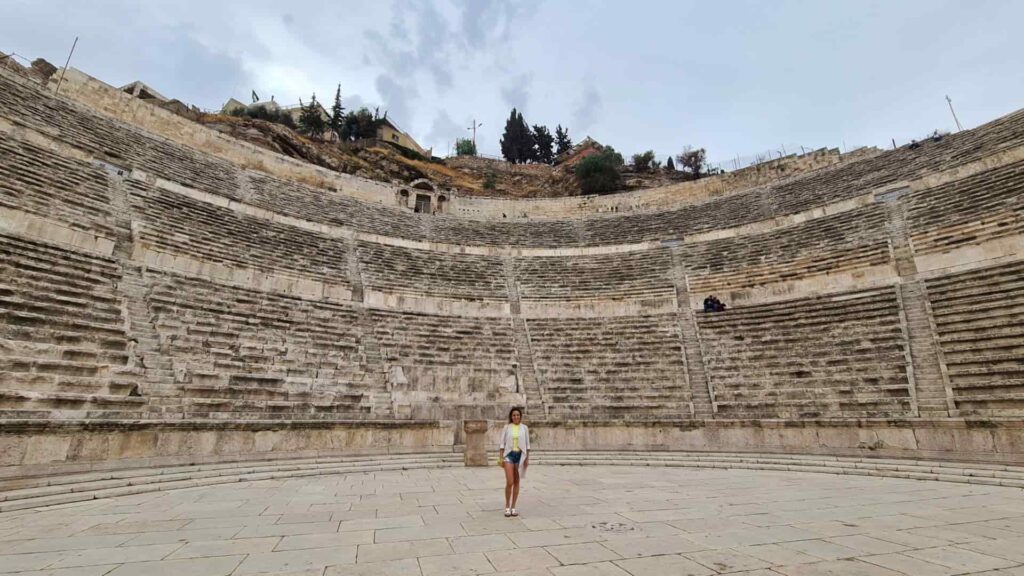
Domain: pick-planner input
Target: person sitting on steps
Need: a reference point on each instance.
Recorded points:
(713, 304)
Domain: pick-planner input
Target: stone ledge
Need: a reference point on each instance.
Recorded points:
(690, 424)
(34, 425)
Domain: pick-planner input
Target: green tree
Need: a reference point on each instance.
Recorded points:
(517, 140)
(465, 147)
(693, 162)
(615, 157)
(562, 142)
(311, 123)
(542, 145)
(669, 165)
(599, 173)
(337, 122)
(643, 162)
(361, 124)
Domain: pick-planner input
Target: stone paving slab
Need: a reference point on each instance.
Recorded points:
(597, 521)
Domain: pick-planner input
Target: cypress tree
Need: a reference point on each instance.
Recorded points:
(542, 143)
(508, 147)
(337, 123)
(562, 142)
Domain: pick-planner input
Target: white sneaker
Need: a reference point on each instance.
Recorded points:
(508, 512)
(514, 513)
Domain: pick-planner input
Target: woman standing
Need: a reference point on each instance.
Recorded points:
(516, 439)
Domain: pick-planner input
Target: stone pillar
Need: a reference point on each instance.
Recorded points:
(476, 442)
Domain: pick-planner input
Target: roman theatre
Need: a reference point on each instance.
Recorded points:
(219, 360)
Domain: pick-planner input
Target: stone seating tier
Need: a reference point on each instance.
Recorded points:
(41, 182)
(177, 224)
(125, 145)
(428, 340)
(332, 207)
(979, 208)
(646, 273)
(252, 354)
(905, 163)
(62, 332)
(601, 367)
(724, 212)
(426, 272)
(827, 357)
(827, 245)
(979, 318)
(114, 142)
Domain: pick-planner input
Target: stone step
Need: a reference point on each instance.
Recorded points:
(29, 493)
(969, 473)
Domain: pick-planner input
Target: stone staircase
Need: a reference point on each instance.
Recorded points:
(700, 390)
(527, 368)
(930, 389)
(37, 492)
(381, 398)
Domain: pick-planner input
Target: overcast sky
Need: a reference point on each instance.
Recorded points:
(737, 78)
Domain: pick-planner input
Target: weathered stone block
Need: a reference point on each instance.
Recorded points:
(12, 449)
(476, 442)
(45, 449)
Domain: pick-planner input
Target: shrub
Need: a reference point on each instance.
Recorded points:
(490, 180)
(599, 173)
(643, 162)
(262, 112)
(465, 147)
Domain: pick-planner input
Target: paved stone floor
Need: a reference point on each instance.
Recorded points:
(576, 521)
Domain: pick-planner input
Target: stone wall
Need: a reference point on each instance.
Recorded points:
(36, 448)
(946, 439)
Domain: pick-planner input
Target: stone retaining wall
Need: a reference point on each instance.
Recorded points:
(34, 448)
(992, 441)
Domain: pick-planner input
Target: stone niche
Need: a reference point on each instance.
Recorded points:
(423, 197)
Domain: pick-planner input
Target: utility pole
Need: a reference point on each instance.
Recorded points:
(57, 89)
(473, 128)
(958, 126)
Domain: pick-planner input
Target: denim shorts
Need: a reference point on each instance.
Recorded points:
(513, 457)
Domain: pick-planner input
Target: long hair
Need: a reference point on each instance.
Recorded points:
(510, 412)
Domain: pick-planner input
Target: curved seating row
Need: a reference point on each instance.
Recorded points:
(639, 274)
(625, 368)
(426, 272)
(116, 142)
(39, 181)
(253, 355)
(837, 356)
(178, 224)
(828, 245)
(979, 319)
(63, 345)
(979, 208)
